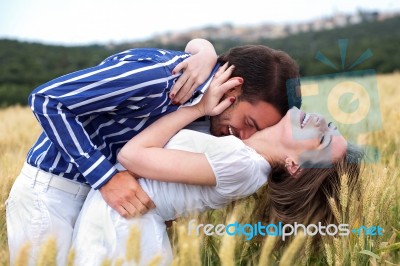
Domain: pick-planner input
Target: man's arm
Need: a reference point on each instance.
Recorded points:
(64, 104)
(196, 69)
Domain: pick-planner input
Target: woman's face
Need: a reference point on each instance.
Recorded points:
(307, 137)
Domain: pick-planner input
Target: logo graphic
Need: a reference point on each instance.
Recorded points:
(348, 98)
(279, 229)
(374, 230)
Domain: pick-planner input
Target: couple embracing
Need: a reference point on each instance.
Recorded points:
(150, 135)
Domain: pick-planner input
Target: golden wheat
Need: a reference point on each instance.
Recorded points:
(23, 255)
(48, 253)
(133, 245)
(266, 251)
(227, 250)
(71, 258)
(290, 254)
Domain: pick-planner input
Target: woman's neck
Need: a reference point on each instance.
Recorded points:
(266, 144)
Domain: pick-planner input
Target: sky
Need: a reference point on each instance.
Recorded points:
(83, 22)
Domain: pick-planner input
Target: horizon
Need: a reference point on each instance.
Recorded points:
(28, 21)
(200, 28)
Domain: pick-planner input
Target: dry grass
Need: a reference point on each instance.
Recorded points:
(379, 204)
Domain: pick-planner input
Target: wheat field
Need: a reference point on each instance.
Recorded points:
(379, 204)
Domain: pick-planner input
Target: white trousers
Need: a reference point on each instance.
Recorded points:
(102, 234)
(41, 205)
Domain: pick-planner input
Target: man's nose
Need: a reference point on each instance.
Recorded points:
(246, 133)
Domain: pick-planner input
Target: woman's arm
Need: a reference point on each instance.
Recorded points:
(196, 69)
(145, 156)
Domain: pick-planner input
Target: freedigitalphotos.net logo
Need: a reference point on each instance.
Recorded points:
(279, 229)
(349, 98)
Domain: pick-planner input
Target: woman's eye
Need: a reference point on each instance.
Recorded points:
(332, 125)
(322, 139)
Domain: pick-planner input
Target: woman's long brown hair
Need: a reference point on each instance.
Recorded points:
(305, 198)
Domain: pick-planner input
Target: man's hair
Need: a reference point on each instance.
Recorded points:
(269, 75)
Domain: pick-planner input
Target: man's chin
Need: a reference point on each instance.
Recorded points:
(214, 129)
(215, 132)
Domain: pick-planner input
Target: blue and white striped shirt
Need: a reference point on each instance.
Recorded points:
(88, 115)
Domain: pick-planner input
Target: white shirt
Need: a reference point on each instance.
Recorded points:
(101, 232)
(239, 171)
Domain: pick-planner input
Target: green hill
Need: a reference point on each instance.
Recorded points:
(23, 65)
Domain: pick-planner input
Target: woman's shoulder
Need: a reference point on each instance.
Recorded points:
(219, 150)
(196, 141)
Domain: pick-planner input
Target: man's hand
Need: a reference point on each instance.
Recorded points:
(124, 194)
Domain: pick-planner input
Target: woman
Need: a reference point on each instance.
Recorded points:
(196, 172)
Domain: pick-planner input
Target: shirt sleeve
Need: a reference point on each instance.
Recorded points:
(63, 103)
(239, 170)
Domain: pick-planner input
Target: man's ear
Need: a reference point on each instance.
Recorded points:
(235, 91)
(292, 166)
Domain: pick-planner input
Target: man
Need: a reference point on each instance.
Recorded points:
(87, 116)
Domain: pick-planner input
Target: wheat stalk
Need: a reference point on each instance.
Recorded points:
(188, 248)
(48, 253)
(133, 245)
(338, 251)
(155, 261)
(329, 254)
(344, 191)
(227, 249)
(293, 249)
(22, 258)
(106, 262)
(335, 209)
(71, 257)
(266, 251)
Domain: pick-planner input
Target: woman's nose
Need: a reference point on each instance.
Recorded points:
(320, 122)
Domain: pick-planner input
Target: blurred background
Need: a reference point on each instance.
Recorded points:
(43, 39)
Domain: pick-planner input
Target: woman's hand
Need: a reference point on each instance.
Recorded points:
(213, 101)
(196, 69)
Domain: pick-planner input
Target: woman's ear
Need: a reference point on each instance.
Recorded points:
(292, 166)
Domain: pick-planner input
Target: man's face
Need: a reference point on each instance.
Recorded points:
(243, 119)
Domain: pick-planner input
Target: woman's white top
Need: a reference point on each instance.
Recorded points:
(239, 170)
(101, 232)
